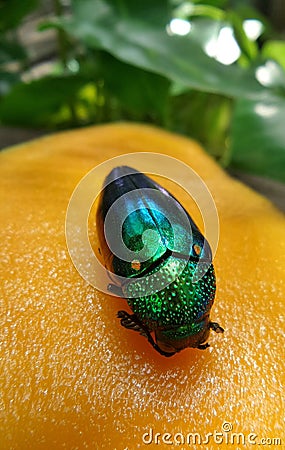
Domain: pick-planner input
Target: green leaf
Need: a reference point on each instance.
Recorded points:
(205, 30)
(139, 42)
(13, 11)
(7, 80)
(206, 11)
(248, 47)
(125, 9)
(215, 3)
(205, 117)
(275, 50)
(38, 102)
(258, 137)
(141, 92)
(270, 74)
(10, 50)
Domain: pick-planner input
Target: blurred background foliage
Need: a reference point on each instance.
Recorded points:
(213, 70)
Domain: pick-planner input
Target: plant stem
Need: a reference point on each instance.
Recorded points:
(61, 35)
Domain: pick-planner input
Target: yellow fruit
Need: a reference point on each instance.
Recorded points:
(71, 376)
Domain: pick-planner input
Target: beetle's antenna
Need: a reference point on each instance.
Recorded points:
(216, 327)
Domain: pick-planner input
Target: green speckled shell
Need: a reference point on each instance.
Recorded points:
(181, 302)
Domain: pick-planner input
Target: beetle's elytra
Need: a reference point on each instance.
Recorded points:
(136, 210)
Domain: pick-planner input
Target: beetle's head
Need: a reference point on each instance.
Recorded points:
(176, 339)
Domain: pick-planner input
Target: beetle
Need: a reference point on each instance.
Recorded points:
(176, 312)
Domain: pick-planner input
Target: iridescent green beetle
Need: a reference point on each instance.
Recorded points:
(155, 275)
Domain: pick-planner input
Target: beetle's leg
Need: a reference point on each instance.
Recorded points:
(203, 346)
(158, 349)
(216, 327)
(131, 322)
(115, 290)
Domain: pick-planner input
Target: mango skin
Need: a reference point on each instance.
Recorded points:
(71, 376)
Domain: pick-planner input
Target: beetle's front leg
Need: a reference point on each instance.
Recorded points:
(131, 322)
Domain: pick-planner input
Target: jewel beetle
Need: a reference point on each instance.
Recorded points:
(153, 248)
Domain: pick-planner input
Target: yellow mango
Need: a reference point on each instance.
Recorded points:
(71, 377)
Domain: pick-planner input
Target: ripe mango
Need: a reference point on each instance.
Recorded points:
(71, 376)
